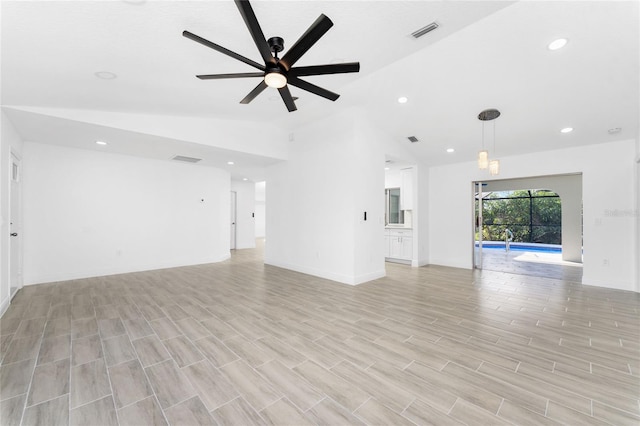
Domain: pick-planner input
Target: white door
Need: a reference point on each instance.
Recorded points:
(15, 228)
(233, 220)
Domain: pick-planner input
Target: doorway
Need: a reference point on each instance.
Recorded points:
(15, 227)
(529, 226)
(232, 216)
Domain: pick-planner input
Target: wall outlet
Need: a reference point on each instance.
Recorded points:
(605, 262)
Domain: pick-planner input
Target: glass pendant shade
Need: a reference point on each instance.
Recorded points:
(483, 159)
(494, 167)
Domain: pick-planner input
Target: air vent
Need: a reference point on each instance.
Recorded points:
(186, 159)
(427, 29)
(412, 139)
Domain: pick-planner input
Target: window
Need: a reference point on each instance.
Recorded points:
(393, 214)
(532, 215)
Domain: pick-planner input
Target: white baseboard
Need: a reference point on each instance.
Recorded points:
(360, 279)
(341, 278)
(626, 286)
(77, 275)
(5, 305)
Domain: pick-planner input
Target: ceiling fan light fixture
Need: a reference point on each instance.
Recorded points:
(275, 79)
(558, 44)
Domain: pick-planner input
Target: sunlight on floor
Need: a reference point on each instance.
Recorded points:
(552, 258)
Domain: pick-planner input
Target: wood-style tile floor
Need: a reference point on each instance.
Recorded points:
(240, 343)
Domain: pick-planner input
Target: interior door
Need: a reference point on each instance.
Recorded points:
(233, 220)
(15, 228)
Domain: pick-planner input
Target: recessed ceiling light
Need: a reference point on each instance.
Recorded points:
(386, 168)
(245, 179)
(558, 44)
(105, 75)
(231, 163)
(566, 130)
(100, 143)
(402, 100)
(450, 150)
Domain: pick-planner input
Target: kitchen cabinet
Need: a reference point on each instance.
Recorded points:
(387, 244)
(399, 244)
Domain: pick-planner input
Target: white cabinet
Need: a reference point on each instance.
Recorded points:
(406, 189)
(399, 244)
(387, 245)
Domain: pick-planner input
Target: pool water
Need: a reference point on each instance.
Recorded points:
(543, 248)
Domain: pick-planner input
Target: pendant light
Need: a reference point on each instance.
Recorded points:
(483, 155)
(494, 165)
(483, 159)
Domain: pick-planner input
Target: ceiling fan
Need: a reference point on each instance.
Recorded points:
(279, 72)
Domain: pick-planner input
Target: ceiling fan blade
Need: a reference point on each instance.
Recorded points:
(256, 32)
(308, 39)
(234, 75)
(255, 92)
(305, 85)
(221, 49)
(285, 94)
(325, 69)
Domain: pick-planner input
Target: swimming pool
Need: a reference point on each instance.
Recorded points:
(543, 248)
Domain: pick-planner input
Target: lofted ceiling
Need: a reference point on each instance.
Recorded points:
(484, 54)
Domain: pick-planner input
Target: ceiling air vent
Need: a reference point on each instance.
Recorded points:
(426, 29)
(186, 159)
(412, 139)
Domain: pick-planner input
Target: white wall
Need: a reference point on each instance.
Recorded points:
(9, 142)
(90, 214)
(367, 162)
(309, 225)
(420, 219)
(392, 178)
(608, 186)
(260, 218)
(637, 211)
(245, 209)
(317, 199)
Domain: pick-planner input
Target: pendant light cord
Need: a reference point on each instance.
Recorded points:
(494, 137)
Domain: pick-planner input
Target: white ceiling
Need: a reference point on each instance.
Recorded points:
(485, 54)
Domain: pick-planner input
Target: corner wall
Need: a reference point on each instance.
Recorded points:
(9, 142)
(261, 211)
(309, 223)
(90, 214)
(317, 199)
(608, 187)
